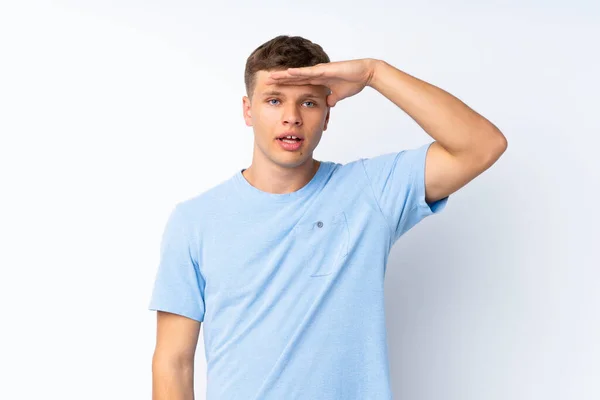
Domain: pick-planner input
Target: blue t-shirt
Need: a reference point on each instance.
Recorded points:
(290, 287)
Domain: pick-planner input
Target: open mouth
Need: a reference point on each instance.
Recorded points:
(290, 143)
(290, 140)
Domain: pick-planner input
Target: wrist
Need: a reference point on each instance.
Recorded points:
(374, 71)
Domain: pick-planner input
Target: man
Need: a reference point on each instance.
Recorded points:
(285, 261)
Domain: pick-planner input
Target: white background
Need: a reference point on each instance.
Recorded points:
(113, 111)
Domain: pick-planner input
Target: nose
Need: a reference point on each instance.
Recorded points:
(292, 116)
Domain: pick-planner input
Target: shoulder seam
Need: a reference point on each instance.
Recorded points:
(390, 230)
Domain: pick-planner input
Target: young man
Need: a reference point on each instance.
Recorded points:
(285, 261)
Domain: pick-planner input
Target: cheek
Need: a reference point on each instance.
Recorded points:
(318, 120)
(266, 116)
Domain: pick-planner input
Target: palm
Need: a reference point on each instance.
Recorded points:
(343, 78)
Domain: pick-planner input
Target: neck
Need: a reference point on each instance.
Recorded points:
(280, 179)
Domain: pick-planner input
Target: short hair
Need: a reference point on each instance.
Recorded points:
(280, 53)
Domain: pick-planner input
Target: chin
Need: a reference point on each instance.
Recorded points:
(291, 160)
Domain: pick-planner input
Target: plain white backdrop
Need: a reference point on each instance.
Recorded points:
(111, 112)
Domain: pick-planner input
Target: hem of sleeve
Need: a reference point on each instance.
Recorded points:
(178, 311)
(419, 181)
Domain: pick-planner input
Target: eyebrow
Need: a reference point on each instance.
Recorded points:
(278, 93)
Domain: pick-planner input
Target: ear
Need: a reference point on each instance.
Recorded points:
(246, 107)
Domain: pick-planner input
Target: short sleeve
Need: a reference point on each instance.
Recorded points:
(398, 183)
(179, 285)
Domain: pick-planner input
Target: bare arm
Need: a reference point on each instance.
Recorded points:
(466, 143)
(173, 359)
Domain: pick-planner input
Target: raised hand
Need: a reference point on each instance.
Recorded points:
(343, 78)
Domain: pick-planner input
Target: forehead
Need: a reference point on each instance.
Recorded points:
(262, 88)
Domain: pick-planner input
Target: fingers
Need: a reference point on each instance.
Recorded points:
(282, 75)
(304, 72)
(293, 81)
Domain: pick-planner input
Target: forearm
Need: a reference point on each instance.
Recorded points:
(445, 118)
(172, 382)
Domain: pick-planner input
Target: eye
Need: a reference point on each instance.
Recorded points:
(314, 104)
(269, 101)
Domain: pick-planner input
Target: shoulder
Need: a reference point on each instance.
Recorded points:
(204, 205)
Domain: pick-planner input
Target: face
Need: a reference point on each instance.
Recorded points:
(276, 110)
